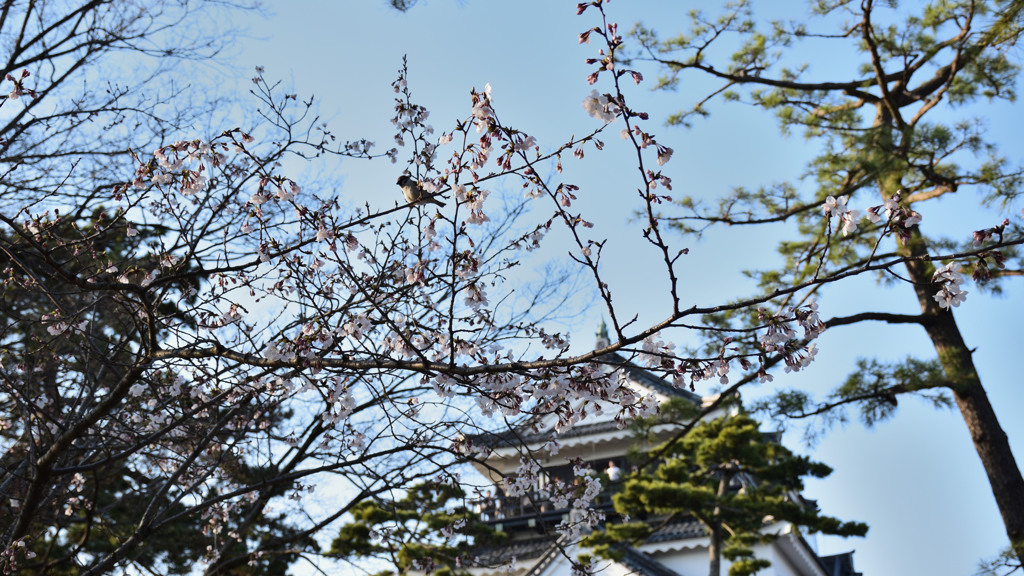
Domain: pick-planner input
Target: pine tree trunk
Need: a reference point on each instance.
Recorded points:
(990, 441)
(715, 527)
(715, 551)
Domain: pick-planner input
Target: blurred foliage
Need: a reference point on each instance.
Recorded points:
(431, 528)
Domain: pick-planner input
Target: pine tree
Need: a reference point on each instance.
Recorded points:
(894, 138)
(735, 481)
(431, 528)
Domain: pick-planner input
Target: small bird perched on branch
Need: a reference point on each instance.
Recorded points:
(414, 194)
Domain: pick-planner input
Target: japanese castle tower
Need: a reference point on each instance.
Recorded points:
(532, 546)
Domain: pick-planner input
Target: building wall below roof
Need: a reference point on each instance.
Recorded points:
(688, 562)
(781, 564)
(694, 561)
(688, 558)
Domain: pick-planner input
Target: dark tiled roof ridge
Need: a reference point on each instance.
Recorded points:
(839, 564)
(520, 548)
(678, 529)
(541, 545)
(643, 564)
(643, 375)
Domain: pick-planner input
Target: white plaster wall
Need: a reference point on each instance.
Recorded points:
(692, 562)
(781, 566)
(686, 562)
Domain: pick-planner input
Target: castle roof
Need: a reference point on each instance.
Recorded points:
(537, 428)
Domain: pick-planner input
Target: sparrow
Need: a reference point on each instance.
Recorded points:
(414, 194)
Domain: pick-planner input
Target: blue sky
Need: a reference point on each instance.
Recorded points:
(916, 479)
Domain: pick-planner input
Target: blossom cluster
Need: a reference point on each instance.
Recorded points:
(900, 218)
(19, 86)
(951, 294)
(524, 479)
(979, 237)
(578, 497)
(184, 161)
(9, 556)
(601, 107)
(847, 217)
(778, 326)
(607, 107)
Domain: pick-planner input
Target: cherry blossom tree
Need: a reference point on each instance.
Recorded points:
(203, 341)
(86, 80)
